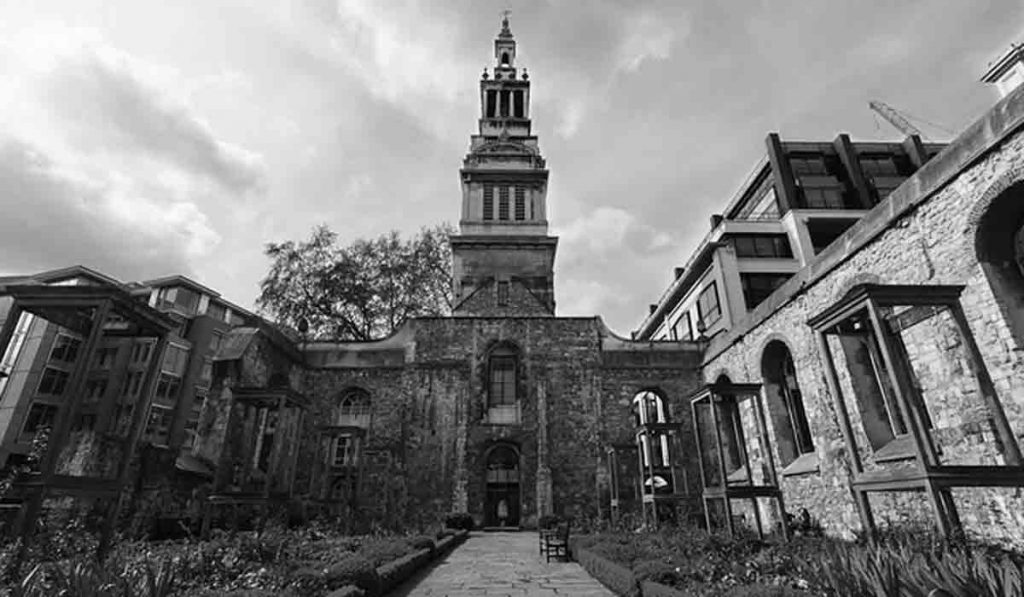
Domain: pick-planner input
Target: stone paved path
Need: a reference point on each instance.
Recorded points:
(493, 564)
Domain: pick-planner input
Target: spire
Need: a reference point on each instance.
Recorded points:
(506, 33)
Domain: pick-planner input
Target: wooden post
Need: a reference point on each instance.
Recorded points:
(832, 377)
(715, 400)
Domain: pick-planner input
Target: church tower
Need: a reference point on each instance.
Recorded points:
(502, 258)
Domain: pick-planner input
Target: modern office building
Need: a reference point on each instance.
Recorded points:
(797, 200)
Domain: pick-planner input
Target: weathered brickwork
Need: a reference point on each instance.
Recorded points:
(430, 411)
(932, 244)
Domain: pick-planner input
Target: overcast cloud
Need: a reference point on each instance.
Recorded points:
(147, 138)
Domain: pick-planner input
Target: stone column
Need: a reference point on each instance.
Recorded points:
(460, 494)
(544, 498)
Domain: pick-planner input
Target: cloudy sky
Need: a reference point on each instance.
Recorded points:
(146, 138)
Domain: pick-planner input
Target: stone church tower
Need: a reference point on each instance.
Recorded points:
(503, 259)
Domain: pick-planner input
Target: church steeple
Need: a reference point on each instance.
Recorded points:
(504, 228)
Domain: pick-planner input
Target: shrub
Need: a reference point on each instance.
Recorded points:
(549, 521)
(353, 570)
(421, 542)
(459, 520)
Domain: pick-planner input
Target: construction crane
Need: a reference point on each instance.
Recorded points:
(893, 117)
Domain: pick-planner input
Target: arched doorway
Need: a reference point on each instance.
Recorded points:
(999, 246)
(501, 504)
(785, 402)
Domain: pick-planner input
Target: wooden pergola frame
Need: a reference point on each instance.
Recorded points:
(711, 396)
(929, 474)
(94, 312)
(278, 399)
(645, 435)
(612, 456)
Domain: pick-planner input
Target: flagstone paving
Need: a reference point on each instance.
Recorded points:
(497, 564)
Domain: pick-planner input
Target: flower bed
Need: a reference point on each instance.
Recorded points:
(690, 561)
(279, 564)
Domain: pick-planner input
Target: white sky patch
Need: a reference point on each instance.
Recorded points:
(606, 230)
(404, 54)
(648, 37)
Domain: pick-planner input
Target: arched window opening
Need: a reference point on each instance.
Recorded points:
(502, 386)
(649, 409)
(999, 244)
(505, 59)
(354, 408)
(785, 403)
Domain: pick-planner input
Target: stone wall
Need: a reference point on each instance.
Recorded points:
(922, 240)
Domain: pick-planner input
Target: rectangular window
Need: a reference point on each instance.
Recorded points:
(105, 357)
(492, 102)
(216, 311)
(39, 416)
(488, 202)
(199, 400)
(709, 310)
(215, 340)
(503, 380)
(344, 451)
(65, 349)
(207, 373)
(191, 431)
(53, 382)
(141, 351)
(772, 246)
(808, 164)
(519, 110)
(158, 427)
(823, 198)
(504, 103)
(682, 330)
(757, 287)
(520, 203)
(167, 388)
(176, 359)
(503, 293)
(503, 203)
(132, 385)
(95, 389)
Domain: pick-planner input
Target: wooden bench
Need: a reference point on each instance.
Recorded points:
(554, 543)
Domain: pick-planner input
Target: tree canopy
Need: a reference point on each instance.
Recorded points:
(361, 291)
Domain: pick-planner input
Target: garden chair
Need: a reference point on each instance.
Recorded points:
(554, 543)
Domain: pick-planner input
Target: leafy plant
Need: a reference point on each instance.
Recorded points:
(459, 520)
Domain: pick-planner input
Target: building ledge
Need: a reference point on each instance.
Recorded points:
(803, 465)
(900, 448)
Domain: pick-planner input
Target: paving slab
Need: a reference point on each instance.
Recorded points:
(501, 564)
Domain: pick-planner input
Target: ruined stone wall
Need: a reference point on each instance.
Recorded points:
(431, 410)
(932, 244)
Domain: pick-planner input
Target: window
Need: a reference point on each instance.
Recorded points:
(141, 351)
(771, 246)
(167, 388)
(65, 349)
(518, 108)
(764, 204)
(159, 425)
(133, 385)
(757, 287)
(53, 382)
(344, 451)
(39, 417)
(175, 359)
(207, 373)
(488, 202)
(14, 348)
(183, 299)
(708, 308)
(785, 402)
(503, 380)
(682, 330)
(105, 357)
(354, 408)
(503, 203)
(824, 232)
(215, 339)
(95, 388)
(649, 408)
(520, 203)
(822, 198)
(199, 400)
(492, 102)
(503, 108)
(191, 432)
(216, 311)
(503, 292)
(804, 164)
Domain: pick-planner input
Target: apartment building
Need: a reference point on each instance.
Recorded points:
(798, 199)
(35, 369)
